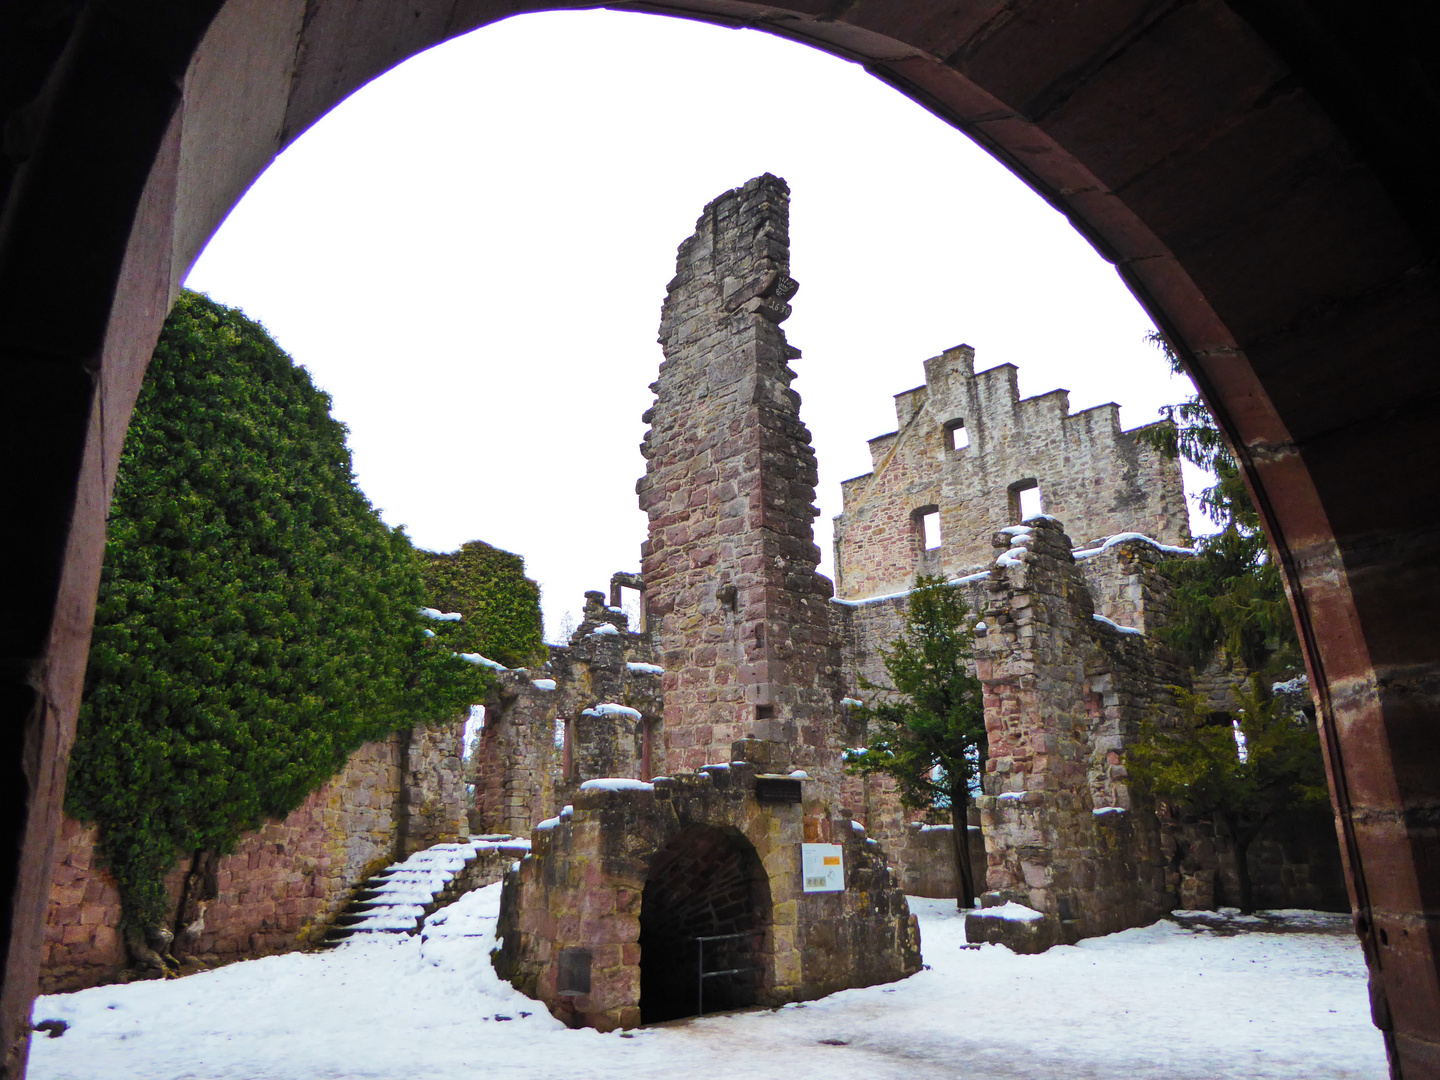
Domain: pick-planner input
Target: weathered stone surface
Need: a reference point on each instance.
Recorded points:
(282, 884)
(739, 615)
(1064, 694)
(594, 709)
(964, 447)
(633, 876)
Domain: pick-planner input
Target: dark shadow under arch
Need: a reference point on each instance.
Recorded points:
(706, 882)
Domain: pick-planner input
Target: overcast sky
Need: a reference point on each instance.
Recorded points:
(470, 253)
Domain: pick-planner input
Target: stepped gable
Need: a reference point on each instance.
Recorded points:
(966, 446)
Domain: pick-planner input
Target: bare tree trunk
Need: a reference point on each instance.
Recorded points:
(960, 836)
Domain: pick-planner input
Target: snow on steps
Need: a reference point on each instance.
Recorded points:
(399, 898)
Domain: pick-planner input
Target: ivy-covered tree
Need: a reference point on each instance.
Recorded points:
(1242, 784)
(257, 621)
(1230, 596)
(927, 730)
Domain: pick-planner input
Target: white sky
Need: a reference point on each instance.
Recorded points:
(470, 253)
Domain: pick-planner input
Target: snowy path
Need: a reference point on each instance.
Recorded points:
(1159, 1002)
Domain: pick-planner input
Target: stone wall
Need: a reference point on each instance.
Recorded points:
(593, 710)
(632, 875)
(283, 883)
(740, 617)
(1125, 581)
(927, 858)
(965, 444)
(1064, 694)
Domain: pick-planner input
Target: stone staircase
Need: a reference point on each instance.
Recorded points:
(399, 898)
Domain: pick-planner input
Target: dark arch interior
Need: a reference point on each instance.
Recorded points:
(706, 882)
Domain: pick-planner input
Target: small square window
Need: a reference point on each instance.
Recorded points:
(957, 437)
(1025, 501)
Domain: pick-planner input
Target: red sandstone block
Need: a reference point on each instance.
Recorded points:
(91, 915)
(65, 914)
(606, 954)
(107, 940)
(75, 934)
(94, 891)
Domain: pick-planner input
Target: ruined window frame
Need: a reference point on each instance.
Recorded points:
(950, 427)
(918, 517)
(1017, 514)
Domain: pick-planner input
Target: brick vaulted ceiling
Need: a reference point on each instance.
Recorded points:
(1261, 172)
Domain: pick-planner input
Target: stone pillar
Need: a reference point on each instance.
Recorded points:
(1064, 693)
(737, 610)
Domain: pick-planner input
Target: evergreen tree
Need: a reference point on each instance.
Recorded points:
(927, 730)
(1230, 595)
(257, 621)
(1241, 784)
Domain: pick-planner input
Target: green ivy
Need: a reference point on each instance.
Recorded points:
(500, 604)
(257, 621)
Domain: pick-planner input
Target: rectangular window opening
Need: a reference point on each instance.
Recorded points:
(956, 435)
(632, 602)
(1025, 501)
(930, 529)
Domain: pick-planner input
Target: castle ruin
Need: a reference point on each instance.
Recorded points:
(675, 776)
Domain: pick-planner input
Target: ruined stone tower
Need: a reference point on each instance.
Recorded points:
(740, 616)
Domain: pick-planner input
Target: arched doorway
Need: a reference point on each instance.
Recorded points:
(704, 917)
(1256, 172)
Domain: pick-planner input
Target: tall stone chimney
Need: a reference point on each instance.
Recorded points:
(740, 616)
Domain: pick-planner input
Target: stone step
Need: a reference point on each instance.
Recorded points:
(398, 899)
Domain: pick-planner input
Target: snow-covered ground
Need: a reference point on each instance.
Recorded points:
(1167, 1001)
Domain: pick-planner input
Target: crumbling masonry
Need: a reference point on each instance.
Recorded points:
(760, 661)
(672, 773)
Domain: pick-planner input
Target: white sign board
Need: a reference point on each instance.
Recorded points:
(822, 868)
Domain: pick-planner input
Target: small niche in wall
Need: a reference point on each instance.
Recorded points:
(957, 437)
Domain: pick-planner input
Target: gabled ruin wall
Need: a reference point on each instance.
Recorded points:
(1097, 478)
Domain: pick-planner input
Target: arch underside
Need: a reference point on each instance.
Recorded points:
(1257, 172)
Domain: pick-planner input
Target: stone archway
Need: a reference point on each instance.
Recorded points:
(1258, 173)
(705, 883)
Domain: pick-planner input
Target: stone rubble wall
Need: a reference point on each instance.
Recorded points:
(1126, 583)
(1099, 479)
(1064, 694)
(283, 883)
(927, 859)
(740, 617)
(524, 771)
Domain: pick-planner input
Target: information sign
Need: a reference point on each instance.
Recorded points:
(822, 868)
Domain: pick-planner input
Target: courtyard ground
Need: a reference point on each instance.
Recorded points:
(1204, 998)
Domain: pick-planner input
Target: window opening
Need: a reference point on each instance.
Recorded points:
(1025, 501)
(929, 527)
(632, 602)
(565, 730)
(957, 437)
